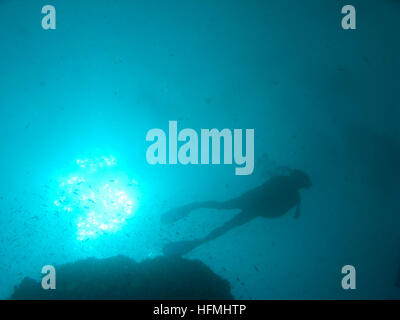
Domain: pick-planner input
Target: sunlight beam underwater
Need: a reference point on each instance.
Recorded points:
(97, 196)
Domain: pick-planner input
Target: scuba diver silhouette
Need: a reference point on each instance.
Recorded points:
(271, 200)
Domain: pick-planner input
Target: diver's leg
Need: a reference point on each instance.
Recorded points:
(238, 220)
(178, 213)
(220, 205)
(210, 205)
(182, 247)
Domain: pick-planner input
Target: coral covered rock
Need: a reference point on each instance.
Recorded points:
(122, 278)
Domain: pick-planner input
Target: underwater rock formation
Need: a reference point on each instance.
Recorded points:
(122, 278)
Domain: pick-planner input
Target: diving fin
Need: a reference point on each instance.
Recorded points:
(176, 214)
(180, 248)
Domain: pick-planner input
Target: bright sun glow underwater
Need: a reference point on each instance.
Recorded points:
(98, 196)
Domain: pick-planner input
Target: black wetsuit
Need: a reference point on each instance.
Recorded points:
(270, 200)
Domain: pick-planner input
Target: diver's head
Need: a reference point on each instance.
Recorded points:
(301, 179)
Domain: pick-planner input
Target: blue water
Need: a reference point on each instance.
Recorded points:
(320, 99)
